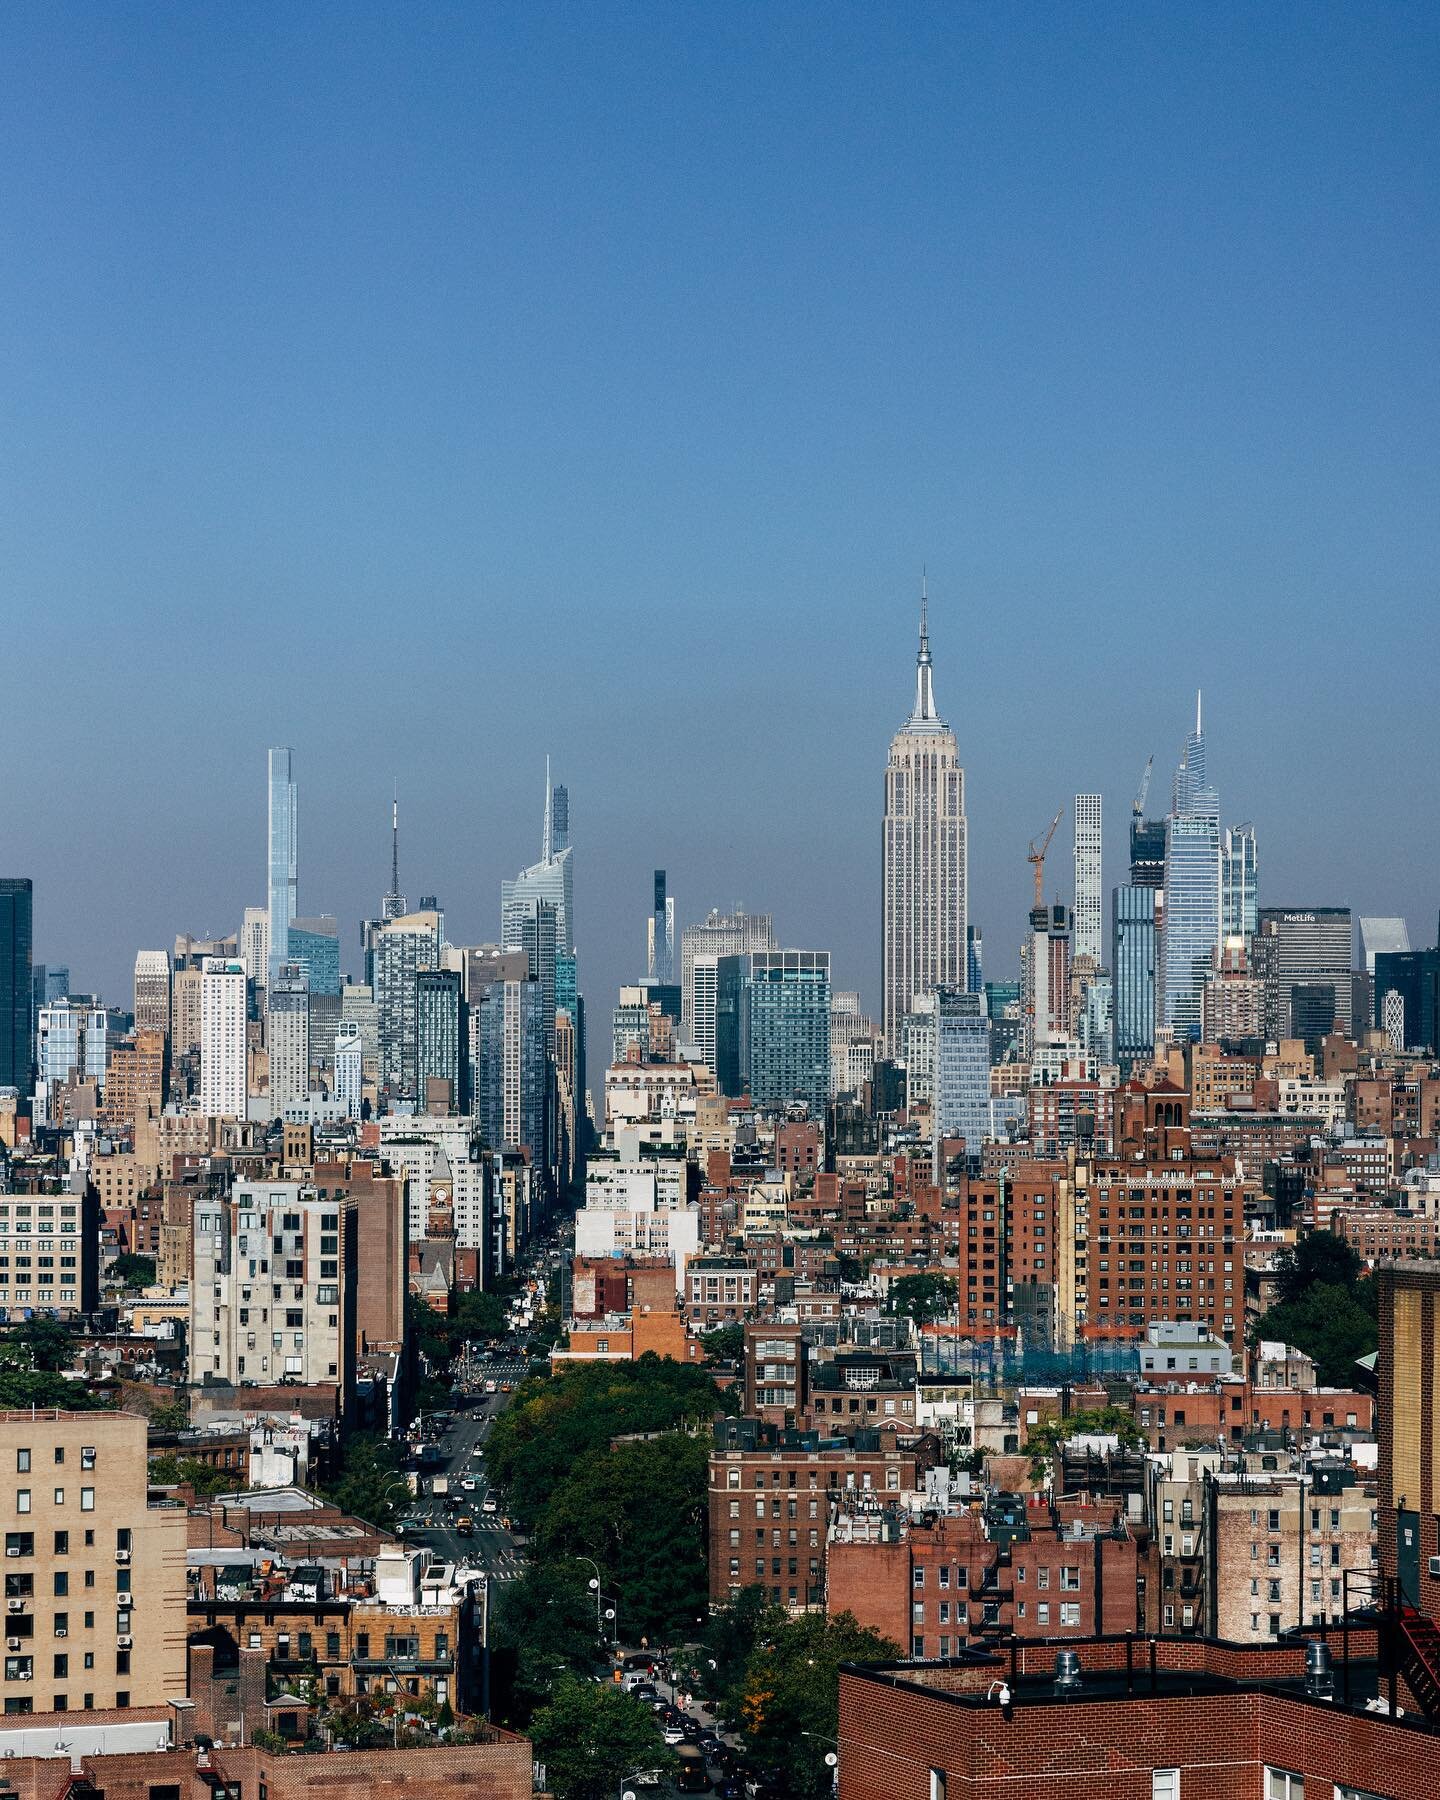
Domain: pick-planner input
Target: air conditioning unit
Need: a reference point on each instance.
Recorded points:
(12, 1549)
(24, 1675)
(13, 1643)
(124, 1642)
(1435, 1566)
(14, 1606)
(122, 1556)
(62, 1631)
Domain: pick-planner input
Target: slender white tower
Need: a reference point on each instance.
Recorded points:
(924, 852)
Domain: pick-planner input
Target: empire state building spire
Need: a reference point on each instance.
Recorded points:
(924, 716)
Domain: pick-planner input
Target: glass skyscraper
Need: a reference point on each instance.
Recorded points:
(1192, 891)
(17, 913)
(438, 1029)
(316, 943)
(1239, 883)
(960, 1096)
(787, 1000)
(283, 845)
(1132, 965)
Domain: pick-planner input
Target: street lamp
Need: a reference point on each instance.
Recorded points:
(593, 1584)
(832, 1757)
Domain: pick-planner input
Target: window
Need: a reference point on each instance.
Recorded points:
(1280, 1784)
(87, 1499)
(937, 1784)
(22, 1462)
(22, 1500)
(1069, 1612)
(1164, 1784)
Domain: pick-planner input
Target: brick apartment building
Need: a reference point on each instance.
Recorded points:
(1206, 1721)
(773, 1495)
(94, 1569)
(932, 1584)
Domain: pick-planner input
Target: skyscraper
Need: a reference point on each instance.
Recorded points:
(787, 998)
(439, 1031)
(1088, 937)
(924, 856)
(283, 844)
(254, 946)
(1302, 959)
(722, 934)
(222, 1038)
(1239, 883)
(660, 934)
(17, 911)
(316, 944)
(1192, 890)
(349, 1068)
(287, 1039)
(1382, 937)
(402, 948)
(551, 879)
(960, 1093)
(1132, 967)
(152, 991)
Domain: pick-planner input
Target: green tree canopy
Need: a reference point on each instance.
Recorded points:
(639, 1511)
(786, 1700)
(1044, 1440)
(591, 1736)
(133, 1271)
(1320, 1258)
(543, 1631)
(559, 1423)
(1335, 1325)
(725, 1344)
(189, 1471)
(923, 1298)
(369, 1483)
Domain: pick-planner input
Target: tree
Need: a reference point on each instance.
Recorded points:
(133, 1271)
(923, 1298)
(1332, 1324)
(43, 1345)
(726, 1344)
(171, 1415)
(1320, 1258)
(189, 1471)
(591, 1736)
(369, 1483)
(543, 1630)
(638, 1510)
(787, 1700)
(1044, 1440)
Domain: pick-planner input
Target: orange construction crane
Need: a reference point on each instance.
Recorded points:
(1036, 858)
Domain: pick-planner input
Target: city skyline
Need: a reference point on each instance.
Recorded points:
(475, 919)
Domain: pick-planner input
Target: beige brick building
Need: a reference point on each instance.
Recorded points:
(94, 1570)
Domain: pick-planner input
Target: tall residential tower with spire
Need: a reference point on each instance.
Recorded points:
(924, 855)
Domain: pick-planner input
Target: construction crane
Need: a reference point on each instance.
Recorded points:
(1137, 811)
(1036, 858)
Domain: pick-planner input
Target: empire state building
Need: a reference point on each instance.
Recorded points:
(924, 856)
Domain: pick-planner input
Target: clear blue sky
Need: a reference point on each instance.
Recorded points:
(430, 386)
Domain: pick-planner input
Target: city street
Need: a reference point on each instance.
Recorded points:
(431, 1522)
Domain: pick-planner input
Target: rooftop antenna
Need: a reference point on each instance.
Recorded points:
(395, 840)
(545, 836)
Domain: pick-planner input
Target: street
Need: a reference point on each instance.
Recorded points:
(430, 1522)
